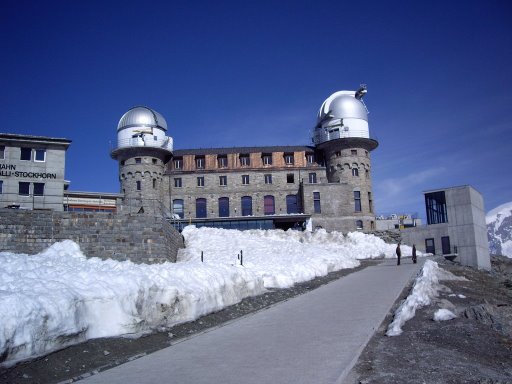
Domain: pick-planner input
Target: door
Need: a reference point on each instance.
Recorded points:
(430, 246)
(445, 244)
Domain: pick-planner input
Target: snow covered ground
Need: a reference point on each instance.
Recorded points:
(59, 297)
(425, 289)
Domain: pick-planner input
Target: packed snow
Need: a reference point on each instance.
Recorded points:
(59, 297)
(425, 289)
(444, 314)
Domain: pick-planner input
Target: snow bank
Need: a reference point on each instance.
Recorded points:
(59, 297)
(426, 288)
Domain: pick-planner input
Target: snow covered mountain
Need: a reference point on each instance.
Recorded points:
(499, 230)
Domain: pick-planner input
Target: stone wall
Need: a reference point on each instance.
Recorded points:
(139, 238)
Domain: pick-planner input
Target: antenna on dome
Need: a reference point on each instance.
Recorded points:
(361, 91)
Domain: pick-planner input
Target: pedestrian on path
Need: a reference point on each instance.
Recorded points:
(414, 259)
(398, 254)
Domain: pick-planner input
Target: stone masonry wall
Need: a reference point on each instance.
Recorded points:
(139, 238)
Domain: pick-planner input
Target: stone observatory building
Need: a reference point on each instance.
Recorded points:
(326, 184)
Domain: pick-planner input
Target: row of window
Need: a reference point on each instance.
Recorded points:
(223, 180)
(353, 152)
(245, 160)
(246, 206)
(27, 154)
(26, 189)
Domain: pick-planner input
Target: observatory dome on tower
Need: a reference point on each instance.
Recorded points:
(342, 115)
(142, 127)
(141, 116)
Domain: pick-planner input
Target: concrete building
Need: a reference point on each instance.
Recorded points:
(254, 187)
(455, 226)
(32, 171)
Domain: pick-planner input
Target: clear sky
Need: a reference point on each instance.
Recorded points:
(250, 73)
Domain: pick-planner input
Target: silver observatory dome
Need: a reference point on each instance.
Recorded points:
(343, 105)
(141, 116)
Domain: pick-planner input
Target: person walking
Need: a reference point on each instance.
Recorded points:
(414, 259)
(398, 254)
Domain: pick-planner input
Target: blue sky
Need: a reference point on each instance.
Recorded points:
(244, 73)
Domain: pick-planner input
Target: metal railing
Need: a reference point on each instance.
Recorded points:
(146, 141)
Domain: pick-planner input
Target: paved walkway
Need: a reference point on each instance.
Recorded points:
(314, 338)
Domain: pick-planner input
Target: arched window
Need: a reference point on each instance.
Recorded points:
(269, 205)
(355, 172)
(224, 207)
(291, 204)
(177, 208)
(201, 208)
(246, 206)
(359, 224)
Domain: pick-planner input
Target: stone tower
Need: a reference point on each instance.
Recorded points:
(342, 136)
(143, 150)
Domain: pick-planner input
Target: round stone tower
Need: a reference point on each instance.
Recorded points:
(142, 150)
(342, 135)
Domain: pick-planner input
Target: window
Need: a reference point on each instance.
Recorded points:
(26, 154)
(357, 201)
(199, 162)
(153, 161)
(370, 202)
(353, 152)
(224, 207)
(366, 153)
(338, 154)
(200, 181)
(288, 158)
(310, 158)
(122, 162)
(200, 208)
(23, 188)
(223, 181)
(246, 206)
(155, 138)
(359, 224)
(222, 161)
(38, 189)
(266, 158)
(154, 183)
(290, 179)
(245, 160)
(177, 208)
(312, 178)
(245, 179)
(291, 204)
(268, 179)
(269, 206)
(2, 152)
(138, 185)
(367, 173)
(40, 155)
(138, 160)
(177, 182)
(1, 186)
(178, 163)
(316, 202)
(435, 203)
(355, 172)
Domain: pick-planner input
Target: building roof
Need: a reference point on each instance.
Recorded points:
(34, 139)
(219, 151)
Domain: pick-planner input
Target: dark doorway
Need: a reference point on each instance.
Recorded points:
(445, 244)
(430, 246)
